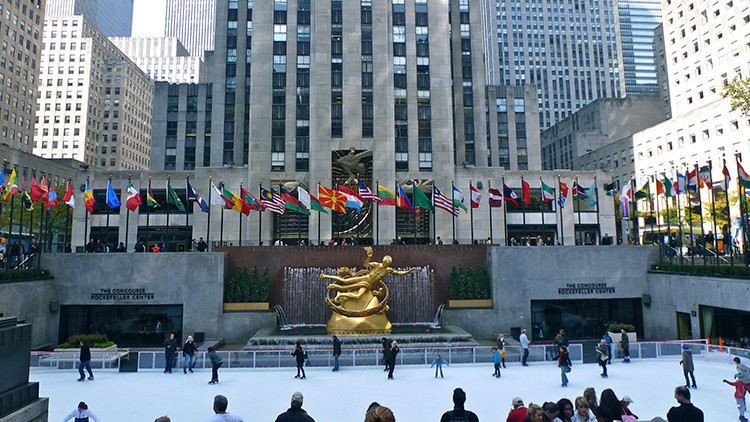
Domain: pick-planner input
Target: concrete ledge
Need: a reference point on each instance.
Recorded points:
(246, 306)
(470, 303)
(36, 411)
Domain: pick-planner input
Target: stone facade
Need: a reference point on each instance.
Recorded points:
(162, 59)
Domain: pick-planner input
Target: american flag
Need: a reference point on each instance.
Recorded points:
(366, 193)
(272, 201)
(443, 202)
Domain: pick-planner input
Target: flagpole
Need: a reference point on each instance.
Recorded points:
(169, 185)
(208, 223)
(523, 202)
(541, 183)
(578, 202)
(743, 222)
(690, 213)
(127, 219)
(651, 202)
(398, 197)
(31, 217)
(279, 217)
(489, 186)
(634, 219)
(377, 211)
(85, 220)
(23, 193)
(558, 192)
(453, 200)
(679, 217)
(109, 211)
(669, 222)
(598, 224)
(505, 212)
(221, 225)
(317, 192)
(239, 242)
(471, 210)
(148, 212)
(713, 211)
(700, 209)
(67, 221)
(729, 217)
(651, 206)
(434, 212)
(187, 205)
(260, 217)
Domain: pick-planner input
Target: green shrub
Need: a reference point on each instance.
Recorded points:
(469, 283)
(92, 340)
(615, 328)
(716, 270)
(18, 275)
(242, 285)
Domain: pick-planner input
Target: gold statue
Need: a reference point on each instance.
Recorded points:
(357, 307)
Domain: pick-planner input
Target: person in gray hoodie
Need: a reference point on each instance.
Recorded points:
(216, 362)
(687, 365)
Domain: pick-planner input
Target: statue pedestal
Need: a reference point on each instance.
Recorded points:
(341, 325)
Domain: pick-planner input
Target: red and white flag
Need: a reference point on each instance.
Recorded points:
(69, 198)
(495, 198)
(443, 202)
(476, 197)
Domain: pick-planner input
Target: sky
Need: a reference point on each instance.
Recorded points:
(148, 18)
(413, 396)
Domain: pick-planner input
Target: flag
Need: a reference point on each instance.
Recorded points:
(644, 192)
(26, 201)
(548, 192)
(387, 197)
(291, 203)
(272, 201)
(309, 201)
(421, 200)
(693, 180)
(192, 196)
(727, 178)
(45, 190)
(443, 202)
(681, 184)
(69, 198)
(36, 190)
(704, 177)
(12, 186)
(609, 189)
(134, 198)
(743, 177)
(173, 199)
(2, 182)
(237, 203)
(509, 195)
(51, 200)
(476, 197)
(332, 199)
(459, 200)
(659, 187)
(668, 187)
(403, 201)
(150, 200)
(88, 198)
(251, 201)
(578, 191)
(112, 200)
(563, 194)
(626, 194)
(218, 199)
(366, 194)
(353, 200)
(495, 198)
(526, 190)
(591, 194)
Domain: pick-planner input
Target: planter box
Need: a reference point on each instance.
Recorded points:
(470, 303)
(616, 337)
(246, 306)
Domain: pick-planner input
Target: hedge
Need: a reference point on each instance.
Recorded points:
(92, 340)
(469, 283)
(615, 328)
(727, 270)
(18, 275)
(241, 285)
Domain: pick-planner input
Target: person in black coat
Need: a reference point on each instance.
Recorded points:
(85, 362)
(299, 356)
(336, 352)
(170, 353)
(295, 412)
(392, 358)
(386, 352)
(216, 362)
(459, 413)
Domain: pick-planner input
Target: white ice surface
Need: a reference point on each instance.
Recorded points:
(414, 396)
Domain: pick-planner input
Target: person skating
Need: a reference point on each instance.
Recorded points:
(743, 372)
(299, 357)
(501, 348)
(392, 358)
(220, 410)
(563, 361)
(170, 353)
(85, 362)
(216, 362)
(686, 411)
(188, 354)
(740, 389)
(438, 363)
(687, 365)
(625, 345)
(81, 414)
(295, 413)
(386, 352)
(609, 341)
(336, 352)
(496, 361)
(524, 339)
(602, 351)
(459, 413)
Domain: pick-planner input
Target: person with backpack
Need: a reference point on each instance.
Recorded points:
(299, 356)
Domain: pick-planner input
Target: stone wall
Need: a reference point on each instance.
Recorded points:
(30, 302)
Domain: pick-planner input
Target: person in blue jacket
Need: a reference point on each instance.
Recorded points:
(438, 364)
(496, 360)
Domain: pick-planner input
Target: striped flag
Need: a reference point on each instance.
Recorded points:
(496, 198)
(272, 201)
(367, 194)
(443, 202)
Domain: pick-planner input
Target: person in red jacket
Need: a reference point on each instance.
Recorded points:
(740, 388)
(518, 413)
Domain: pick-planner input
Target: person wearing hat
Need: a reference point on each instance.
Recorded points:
(81, 414)
(220, 411)
(518, 412)
(687, 365)
(459, 413)
(295, 412)
(626, 401)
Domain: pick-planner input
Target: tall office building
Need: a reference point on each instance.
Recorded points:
(161, 58)
(21, 41)
(637, 20)
(94, 104)
(567, 48)
(193, 23)
(113, 18)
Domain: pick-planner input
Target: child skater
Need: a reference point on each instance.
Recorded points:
(740, 388)
(438, 364)
(497, 361)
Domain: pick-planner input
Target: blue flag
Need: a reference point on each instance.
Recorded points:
(192, 195)
(112, 200)
(591, 194)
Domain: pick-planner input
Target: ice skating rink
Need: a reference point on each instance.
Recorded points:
(414, 396)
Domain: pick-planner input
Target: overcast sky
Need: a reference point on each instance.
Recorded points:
(148, 18)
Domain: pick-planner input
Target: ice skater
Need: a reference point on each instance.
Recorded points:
(299, 357)
(188, 354)
(602, 350)
(740, 388)
(336, 352)
(524, 339)
(743, 372)
(496, 361)
(501, 348)
(565, 364)
(85, 362)
(438, 363)
(687, 365)
(81, 414)
(386, 353)
(170, 353)
(392, 359)
(216, 362)
(625, 346)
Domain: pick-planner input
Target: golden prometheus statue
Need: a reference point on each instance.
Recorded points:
(357, 307)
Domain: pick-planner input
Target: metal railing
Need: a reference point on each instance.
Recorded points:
(69, 360)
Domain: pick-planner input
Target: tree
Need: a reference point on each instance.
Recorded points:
(738, 91)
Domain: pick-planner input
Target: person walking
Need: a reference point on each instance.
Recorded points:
(336, 352)
(85, 362)
(392, 358)
(603, 354)
(459, 413)
(81, 414)
(220, 410)
(299, 356)
(524, 339)
(625, 345)
(501, 348)
(188, 354)
(686, 411)
(740, 389)
(170, 353)
(216, 362)
(565, 364)
(687, 365)
(295, 413)
(386, 352)
(438, 363)
(496, 361)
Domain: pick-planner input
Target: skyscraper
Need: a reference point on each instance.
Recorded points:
(113, 18)
(192, 22)
(161, 58)
(637, 20)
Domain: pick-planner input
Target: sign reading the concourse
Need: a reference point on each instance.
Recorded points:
(585, 289)
(122, 294)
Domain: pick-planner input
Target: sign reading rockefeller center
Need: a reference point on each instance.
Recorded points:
(585, 289)
(120, 294)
